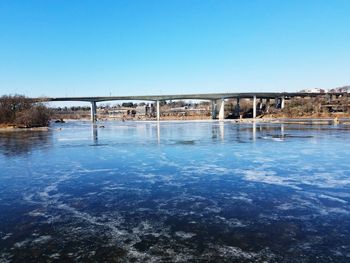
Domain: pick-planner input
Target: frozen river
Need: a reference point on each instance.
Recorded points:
(176, 192)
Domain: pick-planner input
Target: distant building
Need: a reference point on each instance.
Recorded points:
(314, 90)
(115, 113)
(145, 110)
(141, 110)
(344, 89)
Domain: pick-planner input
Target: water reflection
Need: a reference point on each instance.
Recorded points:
(254, 131)
(95, 134)
(214, 132)
(222, 130)
(158, 132)
(218, 130)
(23, 142)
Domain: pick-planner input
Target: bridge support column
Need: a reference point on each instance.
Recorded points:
(213, 109)
(260, 104)
(158, 111)
(93, 111)
(238, 108)
(254, 107)
(222, 110)
(277, 103)
(267, 108)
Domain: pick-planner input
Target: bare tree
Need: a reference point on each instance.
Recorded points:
(21, 111)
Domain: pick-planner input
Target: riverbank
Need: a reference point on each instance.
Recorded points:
(300, 120)
(4, 128)
(243, 120)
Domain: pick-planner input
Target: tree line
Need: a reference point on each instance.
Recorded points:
(17, 110)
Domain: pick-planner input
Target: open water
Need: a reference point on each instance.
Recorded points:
(176, 192)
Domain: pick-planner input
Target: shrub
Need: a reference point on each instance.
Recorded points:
(36, 116)
(11, 105)
(23, 112)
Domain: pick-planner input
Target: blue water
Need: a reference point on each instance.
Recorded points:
(175, 192)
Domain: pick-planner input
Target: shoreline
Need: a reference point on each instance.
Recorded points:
(321, 120)
(280, 120)
(16, 129)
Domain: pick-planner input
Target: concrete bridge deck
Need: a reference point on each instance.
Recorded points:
(213, 97)
(204, 96)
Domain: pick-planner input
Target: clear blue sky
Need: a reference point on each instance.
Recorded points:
(98, 48)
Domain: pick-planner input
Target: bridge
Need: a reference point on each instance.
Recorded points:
(217, 100)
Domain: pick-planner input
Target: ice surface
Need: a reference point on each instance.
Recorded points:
(200, 191)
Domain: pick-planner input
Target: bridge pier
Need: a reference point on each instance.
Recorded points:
(238, 108)
(222, 110)
(260, 104)
(254, 107)
(93, 111)
(280, 102)
(267, 108)
(277, 102)
(158, 111)
(213, 109)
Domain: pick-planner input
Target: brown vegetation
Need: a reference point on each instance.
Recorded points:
(316, 107)
(20, 111)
